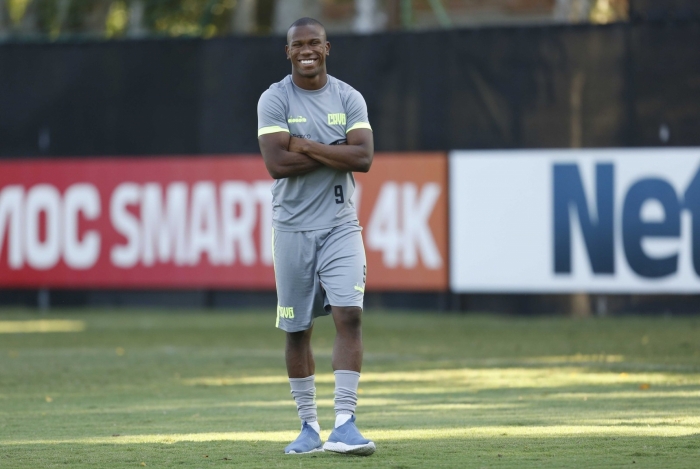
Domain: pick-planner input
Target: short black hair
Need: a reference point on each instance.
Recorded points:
(306, 21)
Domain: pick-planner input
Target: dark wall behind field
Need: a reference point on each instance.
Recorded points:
(558, 86)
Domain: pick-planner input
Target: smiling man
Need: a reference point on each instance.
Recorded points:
(314, 133)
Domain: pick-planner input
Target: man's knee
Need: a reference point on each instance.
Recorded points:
(299, 338)
(349, 317)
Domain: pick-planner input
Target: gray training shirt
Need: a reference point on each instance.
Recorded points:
(321, 198)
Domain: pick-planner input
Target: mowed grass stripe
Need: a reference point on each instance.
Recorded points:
(389, 435)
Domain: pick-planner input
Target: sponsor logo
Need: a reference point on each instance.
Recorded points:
(296, 119)
(307, 136)
(336, 119)
(286, 312)
(399, 225)
(651, 209)
(177, 223)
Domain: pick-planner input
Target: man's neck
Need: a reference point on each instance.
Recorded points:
(310, 83)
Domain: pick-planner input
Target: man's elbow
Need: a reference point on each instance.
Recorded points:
(275, 172)
(365, 164)
(363, 168)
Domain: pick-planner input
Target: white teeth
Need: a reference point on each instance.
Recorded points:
(307, 62)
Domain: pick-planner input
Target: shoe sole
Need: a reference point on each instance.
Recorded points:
(342, 448)
(315, 450)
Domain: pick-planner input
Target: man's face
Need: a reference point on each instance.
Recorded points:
(307, 48)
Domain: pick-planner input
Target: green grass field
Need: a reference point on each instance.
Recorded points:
(117, 389)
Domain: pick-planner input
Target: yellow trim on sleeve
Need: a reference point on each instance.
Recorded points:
(271, 130)
(360, 125)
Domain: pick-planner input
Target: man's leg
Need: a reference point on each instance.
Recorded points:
(343, 274)
(347, 348)
(300, 369)
(299, 297)
(347, 360)
(347, 363)
(298, 354)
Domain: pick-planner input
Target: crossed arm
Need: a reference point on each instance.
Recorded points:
(286, 156)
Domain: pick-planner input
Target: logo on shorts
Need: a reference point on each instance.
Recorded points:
(286, 312)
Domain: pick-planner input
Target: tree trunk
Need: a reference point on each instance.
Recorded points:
(288, 11)
(61, 16)
(136, 16)
(29, 25)
(580, 302)
(243, 18)
(393, 9)
(95, 19)
(4, 20)
(368, 19)
(573, 11)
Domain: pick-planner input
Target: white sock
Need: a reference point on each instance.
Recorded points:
(315, 426)
(341, 419)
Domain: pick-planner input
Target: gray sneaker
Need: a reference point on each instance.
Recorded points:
(308, 441)
(346, 439)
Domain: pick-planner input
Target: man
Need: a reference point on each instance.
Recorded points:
(313, 133)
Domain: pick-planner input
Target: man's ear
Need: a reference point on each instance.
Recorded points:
(286, 52)
(328, 48)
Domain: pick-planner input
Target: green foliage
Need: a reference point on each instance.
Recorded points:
(189, 17)
(199, 389)
(52, 19)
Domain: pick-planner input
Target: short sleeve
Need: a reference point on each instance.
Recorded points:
(356, 111)
(271, 113)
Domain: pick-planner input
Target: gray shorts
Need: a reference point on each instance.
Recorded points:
(315, 270)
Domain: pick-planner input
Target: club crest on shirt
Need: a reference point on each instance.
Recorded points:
(337, 118)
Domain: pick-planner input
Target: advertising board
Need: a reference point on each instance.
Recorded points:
(402, 206)
(607, 220)
(120, 223)
(200, 222)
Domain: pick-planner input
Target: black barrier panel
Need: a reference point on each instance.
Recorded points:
(664, 84)
(535, 87)
(99, 98)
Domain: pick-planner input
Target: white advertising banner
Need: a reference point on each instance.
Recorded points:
(599, 221)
